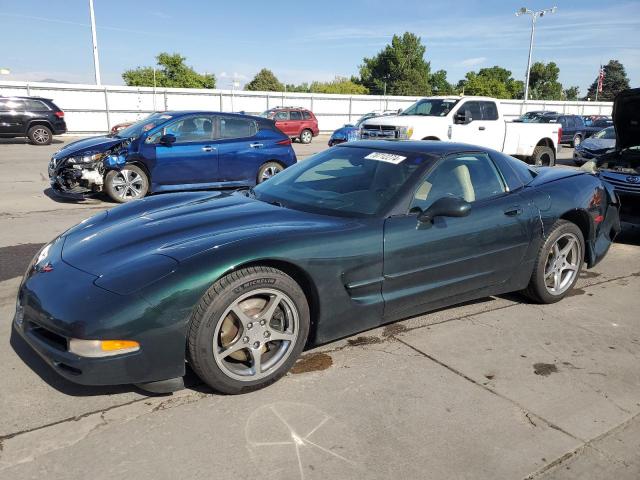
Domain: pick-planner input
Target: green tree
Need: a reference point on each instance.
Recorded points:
(265, 81)
(572, 93)
(302, 88)
(339, 85)
(494, 82)
(439, 83)
(171, 72)
(400, 67)
(543, 82)
(615, 80)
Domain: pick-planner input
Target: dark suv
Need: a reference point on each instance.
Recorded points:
(573, 127)
(33, 117)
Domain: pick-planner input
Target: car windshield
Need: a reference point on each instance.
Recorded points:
(606, 134)
(343, 181)
(431, 107)
(141, 126)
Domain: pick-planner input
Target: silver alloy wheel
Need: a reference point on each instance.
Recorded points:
(256, 335)
(269, 172)
(128, 184)
(41, 136)
(562, 264)
(306, 136)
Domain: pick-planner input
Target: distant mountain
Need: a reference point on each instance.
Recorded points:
(53, 80)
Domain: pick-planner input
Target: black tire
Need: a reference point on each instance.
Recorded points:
(306, 136)
(577, 140)
(268, 170)
(40, 135)
(543, 156)
(208, 315)
(537, 289)
(136, 184)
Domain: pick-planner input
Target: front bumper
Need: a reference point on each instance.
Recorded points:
(64, 303)
(627, 187)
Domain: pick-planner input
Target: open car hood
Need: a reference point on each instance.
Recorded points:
(626, 119)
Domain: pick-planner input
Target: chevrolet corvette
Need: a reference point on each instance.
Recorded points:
(237, 284)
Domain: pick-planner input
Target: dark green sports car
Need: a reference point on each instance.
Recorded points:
(366, 233)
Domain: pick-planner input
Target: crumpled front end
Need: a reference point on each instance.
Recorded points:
(82, 174)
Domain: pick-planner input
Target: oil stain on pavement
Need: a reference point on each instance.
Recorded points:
(312, 362)
(14, 259)
(544, 369)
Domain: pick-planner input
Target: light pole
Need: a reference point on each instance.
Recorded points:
(534, 18)
(96, 61)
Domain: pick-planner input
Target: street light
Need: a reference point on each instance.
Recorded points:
(96, 61)
(534, 18)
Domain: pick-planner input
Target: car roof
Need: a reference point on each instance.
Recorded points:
(178, 113)
(25, 98)
(414, 146)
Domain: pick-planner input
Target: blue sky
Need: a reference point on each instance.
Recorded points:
(305, 41)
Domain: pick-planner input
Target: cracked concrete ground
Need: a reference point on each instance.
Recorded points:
(492, 389)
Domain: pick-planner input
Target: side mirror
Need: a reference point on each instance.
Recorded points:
(399, 111)
(462, 118)
(445, 207)
(167, 139)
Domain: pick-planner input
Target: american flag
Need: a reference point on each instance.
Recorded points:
(600, 79)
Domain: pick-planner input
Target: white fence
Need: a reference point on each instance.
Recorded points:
(94, 109)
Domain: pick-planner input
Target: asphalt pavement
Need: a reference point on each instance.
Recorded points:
(496, 389)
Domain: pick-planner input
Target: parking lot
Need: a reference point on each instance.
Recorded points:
(497, 388)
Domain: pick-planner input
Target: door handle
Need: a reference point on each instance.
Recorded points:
(513, 211)
(208, 148)
(256, 145)
(481, 128)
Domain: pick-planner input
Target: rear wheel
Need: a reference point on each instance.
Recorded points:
(558, 264)
(40, 135)
(577, 140)
(268, 170)
(128, 183)
(248, 330)
(543, 156)
(306, 136)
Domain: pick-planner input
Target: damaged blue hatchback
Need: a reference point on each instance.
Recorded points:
(172, 151)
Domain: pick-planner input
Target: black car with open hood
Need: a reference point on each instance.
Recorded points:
(621, 168)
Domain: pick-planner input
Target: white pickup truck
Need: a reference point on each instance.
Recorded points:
(474, 120)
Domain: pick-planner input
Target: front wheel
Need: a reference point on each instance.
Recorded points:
(306, 136)
(248, 330)
(558, 264)
(128, 183)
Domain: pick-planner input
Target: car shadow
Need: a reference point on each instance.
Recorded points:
(25, 141)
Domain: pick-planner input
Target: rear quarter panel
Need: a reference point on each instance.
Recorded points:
(522, 138)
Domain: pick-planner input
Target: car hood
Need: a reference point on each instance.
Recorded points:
(179, 226)
(343, 131)
(394, 120)
(626, 118)
(597, 144)
(91, 144)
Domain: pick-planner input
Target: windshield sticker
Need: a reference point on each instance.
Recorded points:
(386, 157)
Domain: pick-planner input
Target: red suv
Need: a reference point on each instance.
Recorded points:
(296, 122)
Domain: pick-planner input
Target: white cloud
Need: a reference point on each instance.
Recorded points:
(472, 62)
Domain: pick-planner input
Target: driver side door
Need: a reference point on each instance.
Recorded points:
(432, 264)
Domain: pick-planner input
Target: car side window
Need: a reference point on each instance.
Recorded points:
(471, 110)
(489, 111)
(8, 105)
(190, 129)
(281, 116)
(231, 127)
(295, 115)
(306, 115)
(35, 105)
(470, 176)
